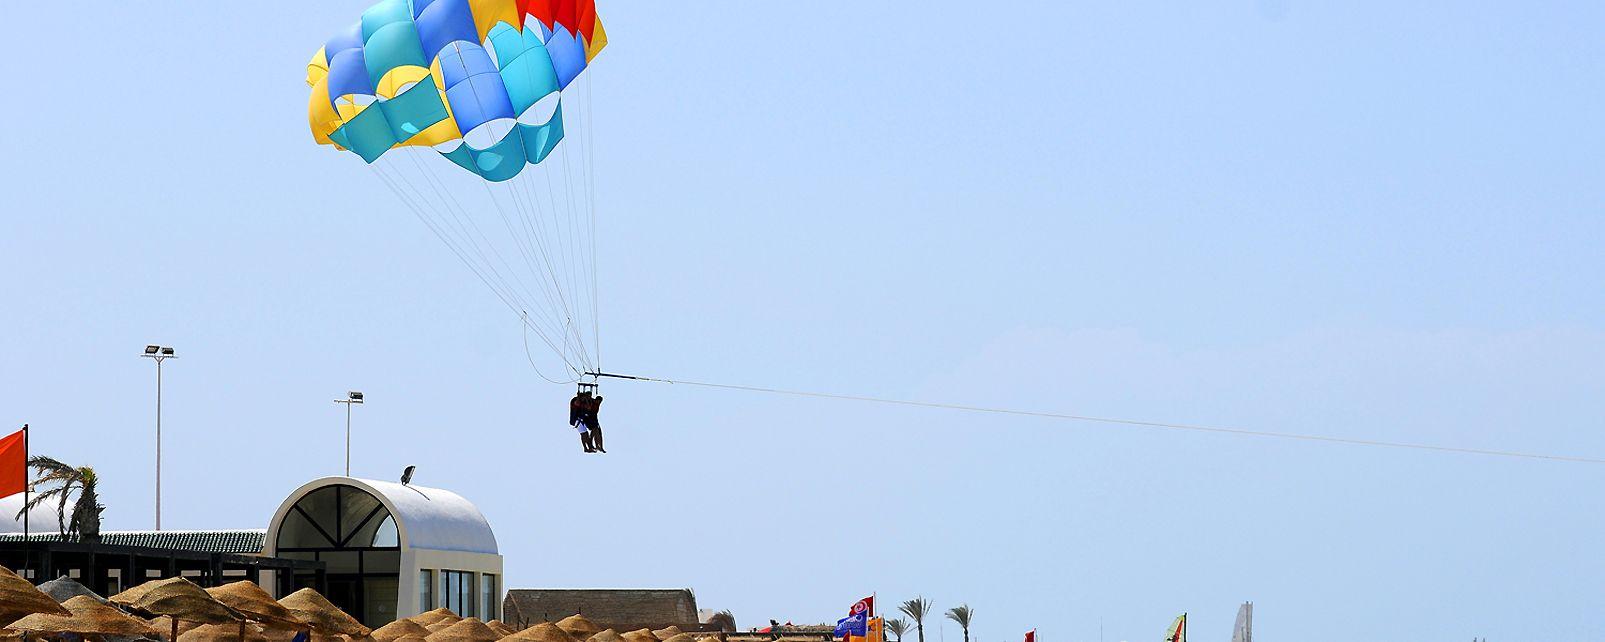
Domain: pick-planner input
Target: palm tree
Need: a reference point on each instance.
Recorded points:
(725, 620)
(83, 522)
(917, 608)
(898, 627)
(962, 614)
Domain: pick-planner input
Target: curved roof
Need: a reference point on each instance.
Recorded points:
(426, 518)
(42, 519)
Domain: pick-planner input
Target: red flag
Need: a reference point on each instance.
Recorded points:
(13, 463)
(865, 607)
(1031, 636)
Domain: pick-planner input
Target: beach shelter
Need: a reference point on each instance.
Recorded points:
(249, 599)
(543, 632)
(19, 598)
(465, 630)
(501, 627)
(436, 616)
(639, 635)
(86, 616)
(579, 627)
(315, 611)
(667, 632)
(179, 599)
(65, 588)
(608, 635)
(400, 629)
(241, 632)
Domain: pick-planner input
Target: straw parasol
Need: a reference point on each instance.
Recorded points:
(177, 598)
(501, 627)
(165, 624)
(465, 630)
(639, 635)
(408, 638)
(316, 611)
(65, 588)
(86, 616)
(683, 637)
(240, 632)
(19, 598)
(399, 629)
(248, 598)
(435, 617)
(543, 632)
(578, 626)
(666, 633)
(608, 635)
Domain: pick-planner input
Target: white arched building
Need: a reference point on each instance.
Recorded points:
(391, 550)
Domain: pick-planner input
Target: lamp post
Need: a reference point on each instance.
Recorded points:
(352, 398)
(159, 354)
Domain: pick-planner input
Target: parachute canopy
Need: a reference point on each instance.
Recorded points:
(486, 84)
(477, 80)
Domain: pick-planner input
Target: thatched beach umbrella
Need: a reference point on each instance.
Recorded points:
(666, 633)
(501, 627)
(179, 599)
(607, 635)
(579, 627)
(240, 632)
(435, 617)
(316, 611)
(465, 630)
(86, 616)
(683, 637)
(18, 598)
(249, 599)
(543, 632)
(399, 629)
(408, 638)
(65, 588)
(639, 635)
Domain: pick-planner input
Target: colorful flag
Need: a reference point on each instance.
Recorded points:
(1178, 630)
(856, 624)
(1031, 636)
(13, 463)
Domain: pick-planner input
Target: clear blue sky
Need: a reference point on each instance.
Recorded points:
(1366, 219)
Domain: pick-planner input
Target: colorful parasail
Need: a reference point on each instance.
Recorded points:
(479, 81)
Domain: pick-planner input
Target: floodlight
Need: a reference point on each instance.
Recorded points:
(167, 352)
(151, 349)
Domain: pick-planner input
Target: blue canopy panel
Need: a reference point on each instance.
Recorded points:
(413, 111)
(368, 134)
(443, 22)
(418, 6)
(348, 74)
(568, 55)
(393, 45)
(384, 13)
(502, 161)
(523, 146)
(526, 67)
(349, 38)
(473, 86)
(540, 140)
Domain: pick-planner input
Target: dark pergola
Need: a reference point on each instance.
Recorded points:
(138, 564)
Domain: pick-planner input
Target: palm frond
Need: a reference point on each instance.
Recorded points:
(961, 614)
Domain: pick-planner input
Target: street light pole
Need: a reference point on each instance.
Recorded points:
(160, 354)
(352, 398)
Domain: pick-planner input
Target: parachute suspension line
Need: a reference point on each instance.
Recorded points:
(1130, 423)
(590, 175)
(525, 327)
(393, 185)
(558, 230)
(528, 260)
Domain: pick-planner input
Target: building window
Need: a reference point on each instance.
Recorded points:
(457, 592)
(426, 590)
(487, 597)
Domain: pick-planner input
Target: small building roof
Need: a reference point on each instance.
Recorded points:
(426, 518)
(617, 609)
(244, 542)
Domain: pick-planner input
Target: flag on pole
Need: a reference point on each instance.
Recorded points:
(856, 624)
(13, 463)
(1031, 636)
(1178, 630)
